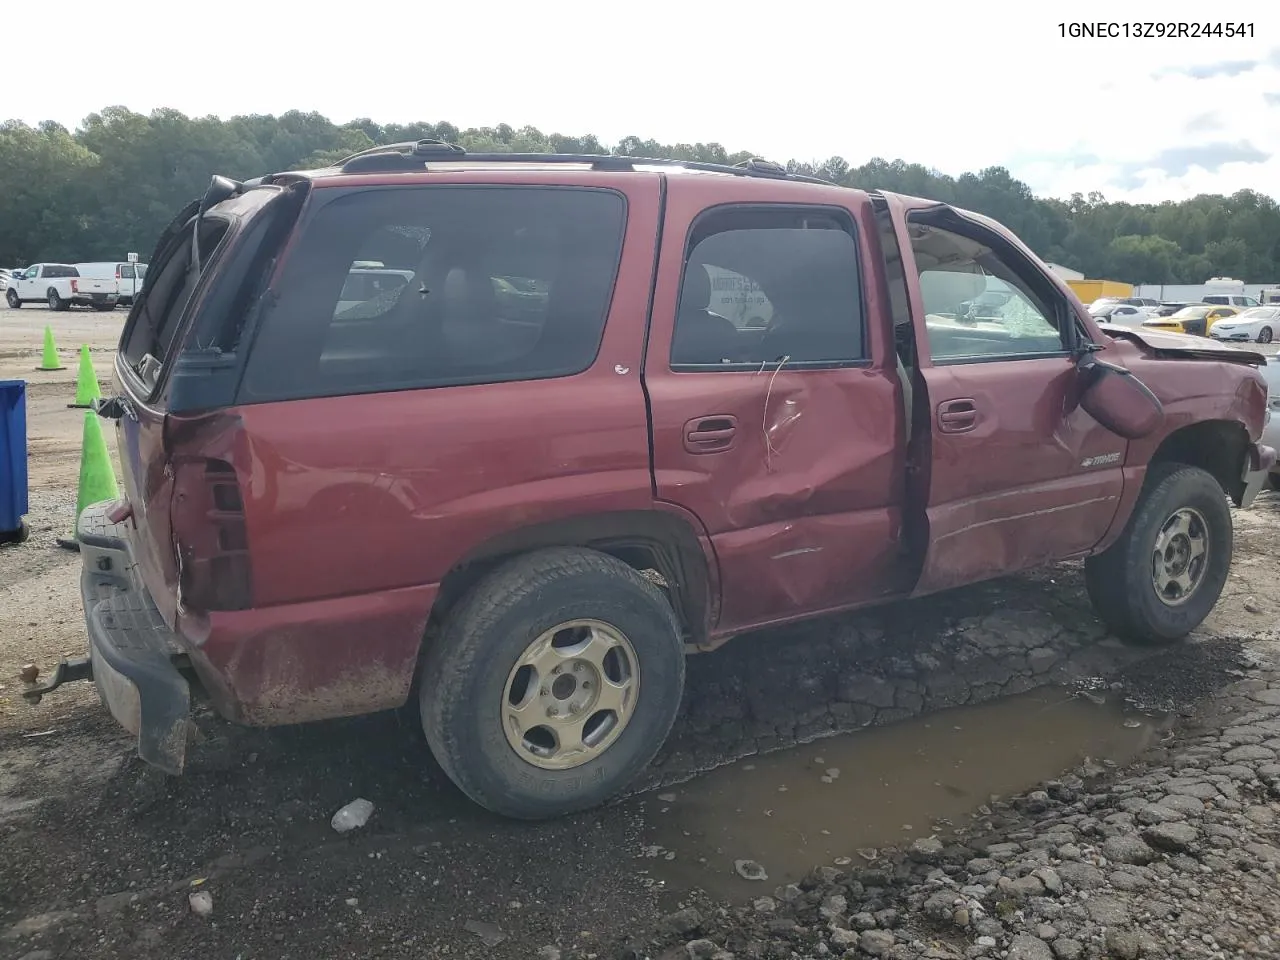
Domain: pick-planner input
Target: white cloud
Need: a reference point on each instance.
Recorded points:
(953, 86)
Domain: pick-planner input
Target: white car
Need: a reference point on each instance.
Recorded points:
(1118, 312)
(1257, 323)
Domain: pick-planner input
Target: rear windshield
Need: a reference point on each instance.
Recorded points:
(402, 287)
(56, 270)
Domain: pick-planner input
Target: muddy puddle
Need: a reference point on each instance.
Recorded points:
(830, 799)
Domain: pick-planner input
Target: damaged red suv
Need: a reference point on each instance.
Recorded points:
(513, 435)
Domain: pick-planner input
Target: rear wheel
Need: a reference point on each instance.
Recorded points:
(56, 302)
(11, 297)
(1266, 335)
(1159, 581)
(552, 683)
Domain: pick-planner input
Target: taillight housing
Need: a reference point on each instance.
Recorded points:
(210, 539)
(75, 286)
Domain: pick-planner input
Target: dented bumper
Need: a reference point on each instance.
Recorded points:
(133, 652)
(1258, 463)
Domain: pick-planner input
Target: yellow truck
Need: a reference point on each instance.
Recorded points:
(1090, 290)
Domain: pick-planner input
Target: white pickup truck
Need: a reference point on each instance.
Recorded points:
(60, 285)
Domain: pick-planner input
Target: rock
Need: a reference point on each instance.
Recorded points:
(1174, 837)
(1082, 876)
(941, 905)
(1065, 948)
(765, 905)
(1199, 790)
(490, 934)
(1027, 947)
(549, 953)
(682, 922)
(888, 919)
(1107, 911)
(876, 942)
(1249, 751)
(834, 906)
(926, 850)
(1003, 851)
(701, 949)
(1046, 932)
(790, 892)
(750, 870)
(1191, 806)
(1023, 887)
(1123, 944)
(1050, 878)
(353, 816)
(1127, 848)
(1152, 813)
(862, 921)
(843, 938)
(1128, 882)
(201, 903)
(986, 942)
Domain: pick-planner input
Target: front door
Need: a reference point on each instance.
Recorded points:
(1019, 474)
(775, 417)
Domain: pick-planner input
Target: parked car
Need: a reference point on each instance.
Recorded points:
(1145, 305)
(61, 286)
(5, 277)
(1271, 430)
(1117, 311)
(1257, 323)
(1168, 308)
(1196, 320)
(526, 526)
(1239, 301)
(127, 276)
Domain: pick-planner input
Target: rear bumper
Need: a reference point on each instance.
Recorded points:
(89, 299)
(1259, 460)
(132, 651)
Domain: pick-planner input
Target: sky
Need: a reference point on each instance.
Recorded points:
(956, 86)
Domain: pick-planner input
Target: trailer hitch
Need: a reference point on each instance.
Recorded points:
(67, 671)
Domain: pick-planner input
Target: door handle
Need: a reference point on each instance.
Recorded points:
(710, 434)
(957, 416)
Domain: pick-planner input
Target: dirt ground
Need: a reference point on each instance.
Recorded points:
(98, 853)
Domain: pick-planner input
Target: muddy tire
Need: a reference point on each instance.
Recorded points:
(1159, 581)
(552, 683)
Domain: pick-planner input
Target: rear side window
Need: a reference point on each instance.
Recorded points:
(407, 287)
(154, 322)
(769, 286)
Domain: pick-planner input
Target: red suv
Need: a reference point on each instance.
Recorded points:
(513, 434)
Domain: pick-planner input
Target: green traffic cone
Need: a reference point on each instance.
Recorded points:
(50, 360)
(87, 389)
(97, 478)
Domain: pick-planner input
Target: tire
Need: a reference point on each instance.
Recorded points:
(1266, 335)
(470, 669)
(11, 297)
(55, 301)
(1122, 579)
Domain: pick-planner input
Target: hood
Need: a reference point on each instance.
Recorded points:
(1182, 346)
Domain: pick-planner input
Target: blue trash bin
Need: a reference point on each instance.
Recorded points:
(13, 460)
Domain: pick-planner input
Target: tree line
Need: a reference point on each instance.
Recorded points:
(111, 185)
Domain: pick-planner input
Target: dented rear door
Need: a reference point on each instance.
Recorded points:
(776, 420)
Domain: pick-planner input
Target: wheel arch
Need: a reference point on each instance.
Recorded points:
(645, 540)
(1215, 446)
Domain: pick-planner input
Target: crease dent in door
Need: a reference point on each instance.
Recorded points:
(791, 505)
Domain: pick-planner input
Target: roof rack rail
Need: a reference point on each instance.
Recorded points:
(412, 156)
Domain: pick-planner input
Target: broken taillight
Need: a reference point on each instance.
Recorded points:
(209, 536)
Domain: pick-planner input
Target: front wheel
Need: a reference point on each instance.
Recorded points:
(1159, 581)
(11, 297)
(553, 683)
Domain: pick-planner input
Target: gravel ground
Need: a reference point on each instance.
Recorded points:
(100, 854)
